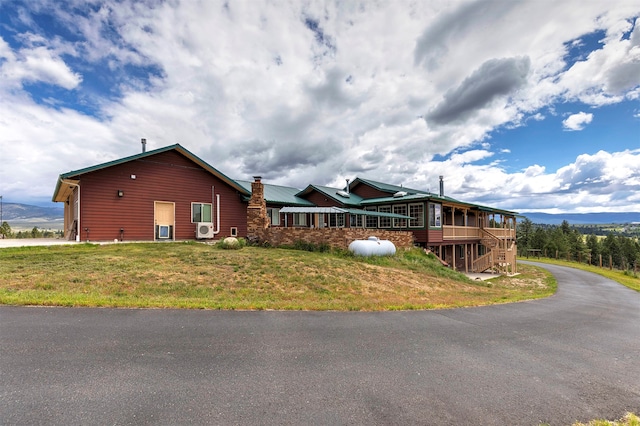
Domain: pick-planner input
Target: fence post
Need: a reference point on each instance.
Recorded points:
(556, 254)
(610, 262)
(600, 260)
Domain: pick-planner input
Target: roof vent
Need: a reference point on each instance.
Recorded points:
(399, 194)
(342, 193)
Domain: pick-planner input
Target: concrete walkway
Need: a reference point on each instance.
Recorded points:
(27, 242)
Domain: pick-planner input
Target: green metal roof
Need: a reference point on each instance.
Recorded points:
(385, 187)
(351, 200)
(277, 194)
(177, 147)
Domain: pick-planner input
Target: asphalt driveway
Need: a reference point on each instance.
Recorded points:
(573, 356)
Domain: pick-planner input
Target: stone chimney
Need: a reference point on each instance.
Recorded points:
(257, 219)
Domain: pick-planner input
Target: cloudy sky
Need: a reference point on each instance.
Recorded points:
(524, 105)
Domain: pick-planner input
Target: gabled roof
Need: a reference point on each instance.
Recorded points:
(67, 181)
(333, 193)
(277, 194)
(385, 187)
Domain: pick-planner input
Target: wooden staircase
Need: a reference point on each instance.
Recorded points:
(497, 257)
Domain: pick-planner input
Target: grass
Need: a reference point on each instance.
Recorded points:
(625, 278)
(200, 276)
(629, 419)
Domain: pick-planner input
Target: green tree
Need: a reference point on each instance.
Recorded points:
(524, 234)
(5, 230)
(611, 250)
(539, 239)
(577, 247)
(593, 245)
(557, 242)
(36, 233)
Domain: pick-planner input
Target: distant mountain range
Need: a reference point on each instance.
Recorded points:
(582, 218)
(28, 213)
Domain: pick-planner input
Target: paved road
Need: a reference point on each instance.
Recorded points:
(573, 356)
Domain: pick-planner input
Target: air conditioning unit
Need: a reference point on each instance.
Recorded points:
(204, 230)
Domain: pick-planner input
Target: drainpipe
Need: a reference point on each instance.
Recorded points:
(216, 197)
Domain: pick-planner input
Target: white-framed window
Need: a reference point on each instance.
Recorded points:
(416, 211)
(336, 220)
(299, 219)
(371, 221)
(400, 209)
(435, 215)
(164, 231)
(355, 220)
(201, 212)
(234, 231)
(274, 216)
(384, 222)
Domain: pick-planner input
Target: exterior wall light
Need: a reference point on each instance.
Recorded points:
(120, 193)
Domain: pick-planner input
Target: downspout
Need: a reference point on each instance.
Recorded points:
(216, 197)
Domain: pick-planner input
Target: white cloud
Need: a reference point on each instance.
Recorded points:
(577, 121)
(36, 64)
(315, 92)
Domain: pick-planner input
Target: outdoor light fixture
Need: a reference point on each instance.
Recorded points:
(120, 193)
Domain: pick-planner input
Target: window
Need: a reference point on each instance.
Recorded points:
(384, 222)
(163, 231)
(416, 211)
(355, 220)
(435, 215)
(371, 221)
(336, 220)
(299, 219)
(274, 216)
(400, 209)
(201, 212)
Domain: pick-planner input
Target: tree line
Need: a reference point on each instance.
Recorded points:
(35, 232)
(567, 242)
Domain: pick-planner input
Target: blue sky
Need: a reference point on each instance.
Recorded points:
(529, 105)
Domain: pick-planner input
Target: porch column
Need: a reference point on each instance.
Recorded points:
(453, 256)
(466, 258)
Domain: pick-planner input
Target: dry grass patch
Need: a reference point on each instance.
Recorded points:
(192, 275)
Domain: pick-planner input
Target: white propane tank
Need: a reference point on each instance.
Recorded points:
(373, 246)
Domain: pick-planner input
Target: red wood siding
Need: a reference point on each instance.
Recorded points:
(168, 177)
(321, 200)
(435, 236)
(366, 191)
(419, 235)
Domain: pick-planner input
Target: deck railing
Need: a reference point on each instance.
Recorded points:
(450, 232)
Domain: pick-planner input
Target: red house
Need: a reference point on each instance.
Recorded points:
(171, 194)
(164, 194)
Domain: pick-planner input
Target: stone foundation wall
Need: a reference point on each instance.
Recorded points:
(334, 237)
